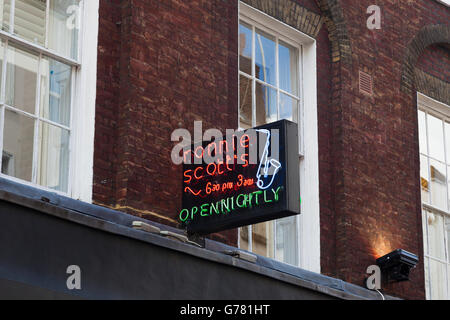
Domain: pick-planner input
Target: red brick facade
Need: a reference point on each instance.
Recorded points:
(164, 64)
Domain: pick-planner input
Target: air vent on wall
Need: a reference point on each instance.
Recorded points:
(365, 83)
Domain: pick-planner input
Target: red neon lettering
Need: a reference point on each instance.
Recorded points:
(187, 176)
(243, 158)
(185, 156)
(241, 180)
(218, 167)
(190, 190)
(227, 161)
(213, 144)
(195, 173)
(215, 168)
(195, 152)
(222, 144)
(245, 141)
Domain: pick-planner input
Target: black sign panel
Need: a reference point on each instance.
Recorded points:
(247, 178)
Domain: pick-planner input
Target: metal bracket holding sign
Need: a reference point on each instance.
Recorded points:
(256, 179)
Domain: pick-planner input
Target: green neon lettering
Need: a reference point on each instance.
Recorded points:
(193, 211)
(241, 201)
(242, 204)
(265, 197)
(275, 193)
(214, 207)
(257, 193)
(249, 200)
(225, 203)
(187, 215)
(204, 208)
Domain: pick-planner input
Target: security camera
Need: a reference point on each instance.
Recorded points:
(397, 264)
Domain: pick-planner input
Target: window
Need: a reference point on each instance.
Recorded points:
(276, 65)
(269, 77)
(40, 75)
(434, 143)
(445, 2)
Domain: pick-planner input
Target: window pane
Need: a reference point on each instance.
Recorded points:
(21, 79)
(435, 138)
(438, 274)
(55, 91)
(18, 145)
(288, 108)
(262, 239)
(29, 20)
(424, 180)
(438, 184)
(288, 64)
(245, 102)
(265, 65)
(424, 231)
(447, 231)
(53, 169)
(436, 235)
(427, 278)
(243, 238)
(266, 104)
(447, 140)
(245, 48)
(448, 185)
(2, 54)
(64, 25)
(286, 242)
(5, 11)
(422, 133)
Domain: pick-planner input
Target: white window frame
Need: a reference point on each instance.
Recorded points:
(444, 2)
(441, 111)
(84, 79)
(308, 222)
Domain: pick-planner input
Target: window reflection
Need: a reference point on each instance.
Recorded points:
(266, 104)
(29, 20)
(18, 137)
(435, 138)
(288, 63)
(268, 91)
(438, 184)
(424, 180)
(245, 102)
(21, 79)
(422, 133)
(265, 57)
(245, 48)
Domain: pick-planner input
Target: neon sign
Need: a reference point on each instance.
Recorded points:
(255, 178)
(265, 164)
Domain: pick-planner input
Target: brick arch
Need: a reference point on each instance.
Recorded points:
(337, 28)
(431, 34)
(310, 23)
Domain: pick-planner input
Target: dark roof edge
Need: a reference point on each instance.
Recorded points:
(119, 223)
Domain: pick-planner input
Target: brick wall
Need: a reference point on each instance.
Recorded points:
(376, 173)
(164, 64)
(436, 61)
(107, 104)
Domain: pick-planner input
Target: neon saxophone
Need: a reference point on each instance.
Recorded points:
(265, 164)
